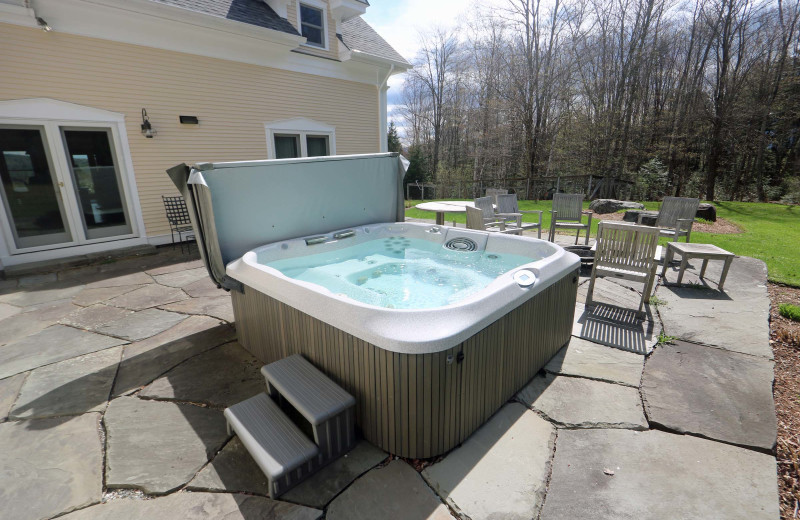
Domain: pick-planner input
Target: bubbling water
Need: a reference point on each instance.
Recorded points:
(400, 273)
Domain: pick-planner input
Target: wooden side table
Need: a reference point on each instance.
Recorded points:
(705, 252)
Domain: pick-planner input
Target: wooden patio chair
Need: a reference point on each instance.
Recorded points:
(675, 218)
(567, 213)
(508, 205)
(476, 220)
(494, 192)
(625, 251)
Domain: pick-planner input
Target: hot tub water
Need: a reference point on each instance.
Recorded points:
(399, 272)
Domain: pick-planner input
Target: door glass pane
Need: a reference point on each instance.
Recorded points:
(286, 147)
(317, 145)
(97, 182)
(30, 194)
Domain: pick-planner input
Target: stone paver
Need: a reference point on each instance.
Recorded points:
(321, 488)
(394, 491)
(711, 392)
(182, 278)
(37, 279)
(584, 403)
(42, 294)
(171, 268)
(116, 279)
(586, 359)
(51, 345)
(95, 316)
(218, 306)
(49, 466)
(616, 327)
(70, 387)
(9, 390)
(100, 294)
(201, 380)
(695, 314)
(156, 446)
(146, 360)
(501, 470)
(142, 324)
(203, 288)
(658, 475)
(148, 296)
(34, 319)
(196, 506)
(6, 310)
(232, 470)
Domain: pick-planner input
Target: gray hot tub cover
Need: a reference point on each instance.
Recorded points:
(238, 206)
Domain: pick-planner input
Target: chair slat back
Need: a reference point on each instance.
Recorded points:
(485, 204)
(568, 206)
(626, 246)
(475, 219)
(507, 203)
(177, 213)
(494, 192)
(674, 208)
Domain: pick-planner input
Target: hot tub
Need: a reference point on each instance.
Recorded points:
(431, 328)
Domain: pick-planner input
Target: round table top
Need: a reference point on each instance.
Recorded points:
(446, 206)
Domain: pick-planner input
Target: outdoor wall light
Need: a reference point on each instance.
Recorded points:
(43, 24)
(147, 128)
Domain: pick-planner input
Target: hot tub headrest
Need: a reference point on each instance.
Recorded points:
(237, 206)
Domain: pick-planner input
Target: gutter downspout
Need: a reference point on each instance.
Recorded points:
(383, 110)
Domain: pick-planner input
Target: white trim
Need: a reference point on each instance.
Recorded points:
(52, 114)
(344, 10)
(383, 119)
(150, 24)
(302, 127)
(18, 15)
(47, 109)
(322, 6)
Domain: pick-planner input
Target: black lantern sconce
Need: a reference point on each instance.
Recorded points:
(147, 128)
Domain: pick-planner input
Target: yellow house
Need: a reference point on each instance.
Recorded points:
(99, 97)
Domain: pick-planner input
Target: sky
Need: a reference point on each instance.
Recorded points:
(400, 22)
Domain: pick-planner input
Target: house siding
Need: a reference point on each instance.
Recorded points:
(232, 101)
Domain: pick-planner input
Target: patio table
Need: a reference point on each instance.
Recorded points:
(445, 206)
(704, 251)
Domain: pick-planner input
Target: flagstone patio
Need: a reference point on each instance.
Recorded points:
(113, 379)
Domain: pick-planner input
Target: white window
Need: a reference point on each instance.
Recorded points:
(299, 138)
(312, 23)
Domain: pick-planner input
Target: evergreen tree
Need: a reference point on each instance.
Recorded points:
(393, 139)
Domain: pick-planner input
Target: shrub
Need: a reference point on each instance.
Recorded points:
(790, 311)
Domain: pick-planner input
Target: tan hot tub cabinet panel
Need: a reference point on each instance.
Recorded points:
(417, 405)
(238, 206)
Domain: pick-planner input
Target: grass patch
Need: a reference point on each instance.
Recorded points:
(770, 232)
(655, 301)
(663, 339)
(790, 311)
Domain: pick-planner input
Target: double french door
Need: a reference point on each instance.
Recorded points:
(62, 185)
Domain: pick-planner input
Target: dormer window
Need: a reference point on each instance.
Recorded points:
(312, 25)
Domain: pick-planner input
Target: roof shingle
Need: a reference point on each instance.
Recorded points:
(253, 12)
(359, 35)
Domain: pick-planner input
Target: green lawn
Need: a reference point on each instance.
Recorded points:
(771, 232)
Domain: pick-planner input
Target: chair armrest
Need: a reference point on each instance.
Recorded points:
(508, 214)
(684, 222)
(531, 211)
(587, 212)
